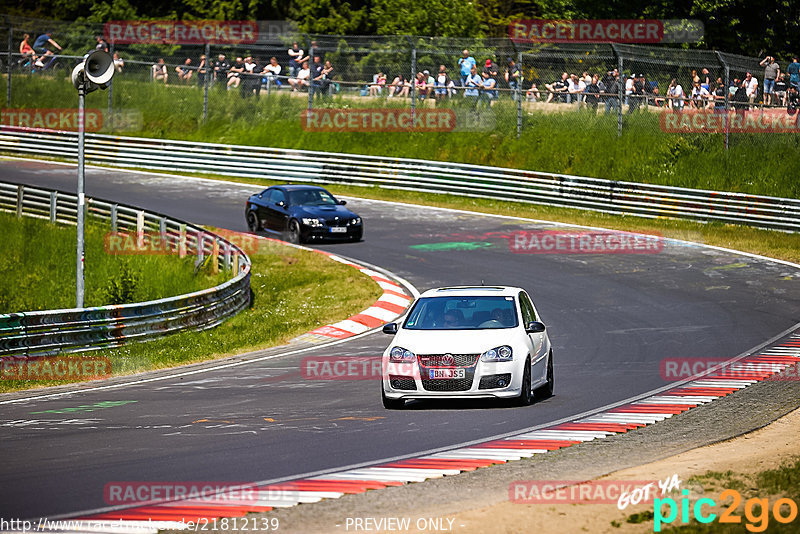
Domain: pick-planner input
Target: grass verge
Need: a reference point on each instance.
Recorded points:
(295, 291)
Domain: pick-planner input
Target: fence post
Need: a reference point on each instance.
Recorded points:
(20, 198)
(53, 206)
(110, 93)
(311, 52)
(8, 65)
(206, 80)
(519, 93)
(726, 81)
(413, 80)
(620, 89)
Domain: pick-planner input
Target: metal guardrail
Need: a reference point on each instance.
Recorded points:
(498, 183)
(50, 332)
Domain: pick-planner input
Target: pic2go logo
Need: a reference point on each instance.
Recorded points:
(756, 511)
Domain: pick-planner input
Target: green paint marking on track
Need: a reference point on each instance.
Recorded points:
(89, 407)
(452, 245)
(729, 266)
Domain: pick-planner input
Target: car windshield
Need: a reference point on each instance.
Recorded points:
(462, 313)
(311, 197)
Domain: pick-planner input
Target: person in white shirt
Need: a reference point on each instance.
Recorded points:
(302, 77)
(575, 88)
(295, 54)
(676, 95)
(701, 98)
(752, 88)
(628, 89)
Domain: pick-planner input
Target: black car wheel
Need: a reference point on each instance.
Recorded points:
(293, 232)
(391, 404)
(525, 397)
(253, 224)
(547, 390)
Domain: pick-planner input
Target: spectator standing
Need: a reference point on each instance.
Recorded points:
(793, 70)
(490, 67)
(628, 90)
(638, 93)
(295, 54)
(316, 74)
(512, 76)
(119, 64)
(102, 44)
(676, 95)
(593, 93)
(609, 89)
(740, 97)
(772, 71)
(202, 70)
(465, 63)
(441, 83)
(700, 96)
(705, 80)
(575, 89)
(752, 88)
(185, 71)
(251, 82)
(221, 69)
(719, 96)
(160, 71)
(301, 79)
(472, 85)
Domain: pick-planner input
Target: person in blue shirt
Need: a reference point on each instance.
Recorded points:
(794, 73)
(466, 63)
(488, 89)
(43, 43)
(473, 83)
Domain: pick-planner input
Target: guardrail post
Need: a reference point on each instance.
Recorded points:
(182, 240)
(113, 217)
(162, 233)
(140, 228)
(209, 74)
(20, 198)
(53, 206)
(235, 263)
(214, 256)
(226, 256)
(199, 242)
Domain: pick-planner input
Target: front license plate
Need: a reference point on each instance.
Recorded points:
(451, 374)
(338, 230)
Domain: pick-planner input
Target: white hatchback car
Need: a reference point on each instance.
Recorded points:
(468, 342)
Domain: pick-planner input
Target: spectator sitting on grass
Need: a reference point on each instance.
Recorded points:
(676, 95)
(780, 90)
(160, 71)
(377, 88)
(235, 73)
(557, 87)
(185, 71)
(421, 86)
(26, 50)
(699, 96)
(533, 94)
(119, 64)
(752, 88)
(399, 86)
(273, 71)
(251, 81)
(488, 89)
(301, 79)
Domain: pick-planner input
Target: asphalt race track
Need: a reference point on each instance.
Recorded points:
(612, 319)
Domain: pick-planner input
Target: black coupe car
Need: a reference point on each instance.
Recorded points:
(301, 213)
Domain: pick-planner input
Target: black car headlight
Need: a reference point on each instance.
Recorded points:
(314, 223)
(498, 354)
(401, 355)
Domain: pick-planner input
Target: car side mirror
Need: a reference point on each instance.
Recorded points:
(390, 328)
(342, 202)
(535, 327)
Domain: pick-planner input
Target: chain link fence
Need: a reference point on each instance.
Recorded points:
(600, 90)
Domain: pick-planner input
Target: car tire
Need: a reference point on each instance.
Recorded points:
(293, 232)
(391, 404)
(525, 397)
(547, 390)
(253, 224)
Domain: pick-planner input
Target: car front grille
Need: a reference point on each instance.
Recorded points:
(448, 360)
(461, 384)
(493, 381)
(402, 382)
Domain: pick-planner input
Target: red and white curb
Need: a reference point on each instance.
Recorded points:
(663, 405)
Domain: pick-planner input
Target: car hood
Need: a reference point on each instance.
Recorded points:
(324, 212)
(454, 341)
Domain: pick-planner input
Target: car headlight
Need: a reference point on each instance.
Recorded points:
(401, 355)
(498, 354)
(312, 222)
(356, 221)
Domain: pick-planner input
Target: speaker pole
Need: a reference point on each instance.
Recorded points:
(79, 288)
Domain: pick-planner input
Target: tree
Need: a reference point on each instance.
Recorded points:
(446, 18)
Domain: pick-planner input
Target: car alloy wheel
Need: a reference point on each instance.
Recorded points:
(253, 223)
(293, 234)
(525, 395)
(547, 390)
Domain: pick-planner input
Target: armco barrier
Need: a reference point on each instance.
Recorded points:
(43, 333)
(416, 175)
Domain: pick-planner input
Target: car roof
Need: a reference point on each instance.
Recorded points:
(473, 291)
(297, 187)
